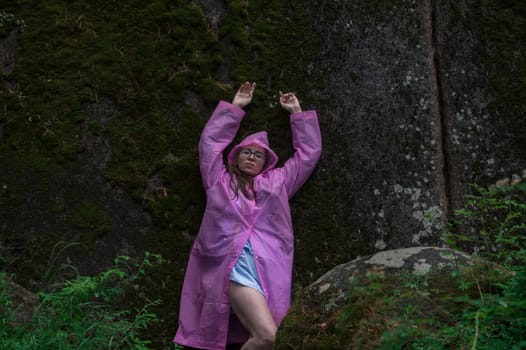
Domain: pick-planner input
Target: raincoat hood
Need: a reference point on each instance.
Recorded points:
(261, 139)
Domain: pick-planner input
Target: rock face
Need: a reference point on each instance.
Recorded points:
(481, 69)
(420, 99)
(312, 320)
(413, 99)
(95, 214)
(101, 108)
(383, 148)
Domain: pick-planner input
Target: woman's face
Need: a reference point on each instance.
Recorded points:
(251, 159)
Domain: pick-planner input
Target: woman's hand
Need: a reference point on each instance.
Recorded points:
(244, 94)
(289, 102)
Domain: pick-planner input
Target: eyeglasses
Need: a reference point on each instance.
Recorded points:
(247, 152)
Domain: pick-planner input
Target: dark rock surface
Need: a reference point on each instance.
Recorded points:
(414, 103)
(419, 100)
(375, 86)
(481, 68)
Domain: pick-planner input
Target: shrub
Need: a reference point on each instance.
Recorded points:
(493, 224)
(81, 313)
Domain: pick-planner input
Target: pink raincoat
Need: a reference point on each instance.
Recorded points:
(205, 317)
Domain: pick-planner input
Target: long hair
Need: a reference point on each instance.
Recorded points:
(239, 181)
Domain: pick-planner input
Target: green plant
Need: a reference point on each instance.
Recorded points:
(82, 313)
(493, 224)
(488, 308)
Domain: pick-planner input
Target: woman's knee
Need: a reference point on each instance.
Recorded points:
(266, 337)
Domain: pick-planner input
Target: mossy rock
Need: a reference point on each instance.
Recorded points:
(361, 304)
(25, 301)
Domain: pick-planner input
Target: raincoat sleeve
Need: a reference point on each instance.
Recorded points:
(218, 133)
(306, 141)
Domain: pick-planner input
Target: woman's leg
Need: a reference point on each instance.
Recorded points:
(252, 310)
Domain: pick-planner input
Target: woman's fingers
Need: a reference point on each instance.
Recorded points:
(247, 88)
(286, 98)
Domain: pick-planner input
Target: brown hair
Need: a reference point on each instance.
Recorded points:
(239, 181)
(244, 183)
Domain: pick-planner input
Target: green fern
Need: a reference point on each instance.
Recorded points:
(80, 313)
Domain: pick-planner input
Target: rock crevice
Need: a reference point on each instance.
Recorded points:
(442, 110)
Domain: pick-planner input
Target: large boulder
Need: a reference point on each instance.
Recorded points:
(352, 305)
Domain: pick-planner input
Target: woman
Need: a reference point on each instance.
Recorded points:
(238, 280)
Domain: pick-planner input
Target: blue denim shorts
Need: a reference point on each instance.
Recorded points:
(244, 271)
